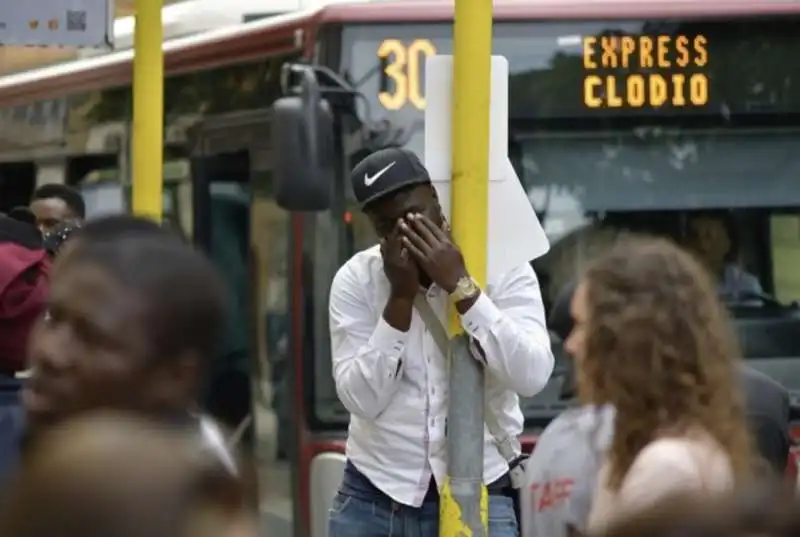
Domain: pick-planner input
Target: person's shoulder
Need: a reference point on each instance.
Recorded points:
(750, 281)
(582, 431)
(694, 455)
(359, 269)
(584, 418)
(666, 453)
(562, 424)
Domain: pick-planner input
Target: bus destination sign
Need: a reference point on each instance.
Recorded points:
(620, 72)
(645, 71)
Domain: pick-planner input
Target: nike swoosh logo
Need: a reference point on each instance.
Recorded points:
(368, 181)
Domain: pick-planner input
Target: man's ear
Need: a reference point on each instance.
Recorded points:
(179, 379)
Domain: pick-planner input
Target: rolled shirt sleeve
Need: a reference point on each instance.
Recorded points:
(508, 323)
(367, 355)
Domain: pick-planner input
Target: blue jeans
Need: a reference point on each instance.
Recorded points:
(356, 513)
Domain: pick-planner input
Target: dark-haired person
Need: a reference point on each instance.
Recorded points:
(226, 395)
(113, 475)
(51, 204)
(390, 374)
(133, 320)
(119, 226)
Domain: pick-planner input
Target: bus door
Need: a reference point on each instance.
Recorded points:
(236, 220)
(221, 226)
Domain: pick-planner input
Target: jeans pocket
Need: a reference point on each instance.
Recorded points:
(353, 517)
(340, 503)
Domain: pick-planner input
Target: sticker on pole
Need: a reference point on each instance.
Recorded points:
(57, 23)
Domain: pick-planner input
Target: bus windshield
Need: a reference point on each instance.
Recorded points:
(684, 129)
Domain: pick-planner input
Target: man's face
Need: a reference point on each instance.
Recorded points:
(709, 240)
(49, 212)
(90, 350)
(385, 213)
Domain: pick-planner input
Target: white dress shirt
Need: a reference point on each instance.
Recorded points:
(395, 383)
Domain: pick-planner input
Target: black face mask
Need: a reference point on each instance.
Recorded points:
(55, 238)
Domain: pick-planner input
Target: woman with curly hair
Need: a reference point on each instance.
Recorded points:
(652, 340)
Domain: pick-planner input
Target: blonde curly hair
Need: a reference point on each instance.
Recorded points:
(660, 348)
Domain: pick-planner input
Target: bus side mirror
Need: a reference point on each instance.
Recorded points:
(302, 135)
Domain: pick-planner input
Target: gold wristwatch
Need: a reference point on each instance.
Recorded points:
(465, 288)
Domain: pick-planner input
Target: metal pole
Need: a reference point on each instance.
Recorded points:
(148, 110)
(464, 499)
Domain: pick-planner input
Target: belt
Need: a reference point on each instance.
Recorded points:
(356, 484)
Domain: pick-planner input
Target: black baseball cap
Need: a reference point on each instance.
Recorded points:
(386, 171)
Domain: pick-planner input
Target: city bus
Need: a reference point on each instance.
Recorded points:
(676, 118)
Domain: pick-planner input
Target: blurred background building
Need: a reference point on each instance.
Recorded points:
(15, 59)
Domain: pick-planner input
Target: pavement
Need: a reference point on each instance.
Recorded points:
(276, 500)
(274, 478)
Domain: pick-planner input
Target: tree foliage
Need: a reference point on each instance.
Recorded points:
(217, 91)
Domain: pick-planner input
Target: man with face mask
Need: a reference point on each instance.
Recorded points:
(55, 203)
(389, 372)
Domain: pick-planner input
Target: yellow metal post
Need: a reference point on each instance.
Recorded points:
(148, 110)
(464, 499)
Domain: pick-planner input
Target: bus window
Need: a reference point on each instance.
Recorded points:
(785, 243)
(587, 195)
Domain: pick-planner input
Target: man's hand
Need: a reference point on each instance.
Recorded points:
(433, 250)
(400, 269)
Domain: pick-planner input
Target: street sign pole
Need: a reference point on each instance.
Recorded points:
(148, 110)
(464, 498)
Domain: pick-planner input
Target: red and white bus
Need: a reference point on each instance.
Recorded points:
(625, 115)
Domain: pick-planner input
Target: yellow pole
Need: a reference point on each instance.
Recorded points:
(148, 110)
(464, 499)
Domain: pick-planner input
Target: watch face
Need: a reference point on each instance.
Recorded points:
(466, 286)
